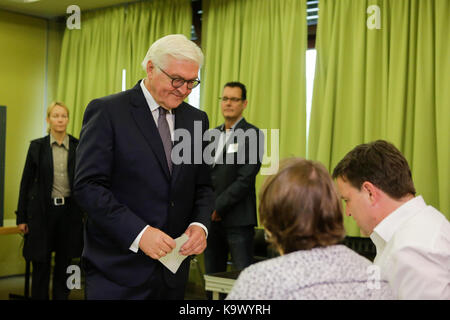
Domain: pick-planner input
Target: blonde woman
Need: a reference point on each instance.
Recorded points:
(47, 214)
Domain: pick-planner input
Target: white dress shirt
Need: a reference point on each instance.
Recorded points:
(413, 251)
(171, 121)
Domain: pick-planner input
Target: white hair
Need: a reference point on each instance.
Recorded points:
(176, 46)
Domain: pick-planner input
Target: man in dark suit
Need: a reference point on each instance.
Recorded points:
(136, 198)
(236, 163)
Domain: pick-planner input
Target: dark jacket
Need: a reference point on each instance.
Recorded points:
(234, 179)
(123, 183)
(35, 197)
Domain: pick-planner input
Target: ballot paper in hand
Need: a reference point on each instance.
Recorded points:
(173, 260)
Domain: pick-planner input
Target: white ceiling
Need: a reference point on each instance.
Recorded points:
(55, 8)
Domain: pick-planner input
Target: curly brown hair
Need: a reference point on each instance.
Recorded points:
(299, 207)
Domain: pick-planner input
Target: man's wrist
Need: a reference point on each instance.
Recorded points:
(200, 225)
(135, 245)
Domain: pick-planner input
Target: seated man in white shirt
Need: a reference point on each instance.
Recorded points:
(412, 238)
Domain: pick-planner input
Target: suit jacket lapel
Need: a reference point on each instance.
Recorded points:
(241, 125)
(71, 160)
(47, 165)
(216, 142)
(145, 122)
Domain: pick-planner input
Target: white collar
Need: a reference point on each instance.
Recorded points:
(385, 230)
(222, 127)
(65, 142)
(236, 123)
(153, 105)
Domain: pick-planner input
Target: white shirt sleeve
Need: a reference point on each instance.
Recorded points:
(200, 225)
(135, 245)
(420, 274)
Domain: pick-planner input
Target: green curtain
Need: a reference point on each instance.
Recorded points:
(442, 104)
(261, 43)
(110, 40)
(385, 83)
(148, 21)
(89, 57)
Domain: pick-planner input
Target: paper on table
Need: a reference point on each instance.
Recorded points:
(173, 260)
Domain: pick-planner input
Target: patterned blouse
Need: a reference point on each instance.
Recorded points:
(333, 272)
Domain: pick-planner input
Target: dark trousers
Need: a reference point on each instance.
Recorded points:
(222, 241)
(237, 241)
(57, 239)
(99, 287)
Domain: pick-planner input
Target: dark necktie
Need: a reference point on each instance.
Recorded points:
(164, 132)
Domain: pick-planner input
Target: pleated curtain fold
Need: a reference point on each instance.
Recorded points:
(261, 43)
(386, 83)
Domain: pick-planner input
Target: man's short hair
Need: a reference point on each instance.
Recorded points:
(379, 163)
(300, 208)
(236, 84)
(176, 46)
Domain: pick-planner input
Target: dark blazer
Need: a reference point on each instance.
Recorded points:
(122, 181)
(234, 184)
(35, 197)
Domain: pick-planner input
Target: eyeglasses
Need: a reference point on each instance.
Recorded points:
(225, 99)
(179, 82)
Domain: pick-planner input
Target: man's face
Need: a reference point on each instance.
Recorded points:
(232, 109)
(357, 205)
(160, 84)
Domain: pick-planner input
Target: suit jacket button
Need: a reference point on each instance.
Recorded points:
(172, 204)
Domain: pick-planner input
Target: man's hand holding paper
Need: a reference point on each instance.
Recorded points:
(155, 243)
(173, 260)
(171, 253)
(196, 243)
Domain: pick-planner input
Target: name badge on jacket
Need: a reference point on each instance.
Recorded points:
(232, 148)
